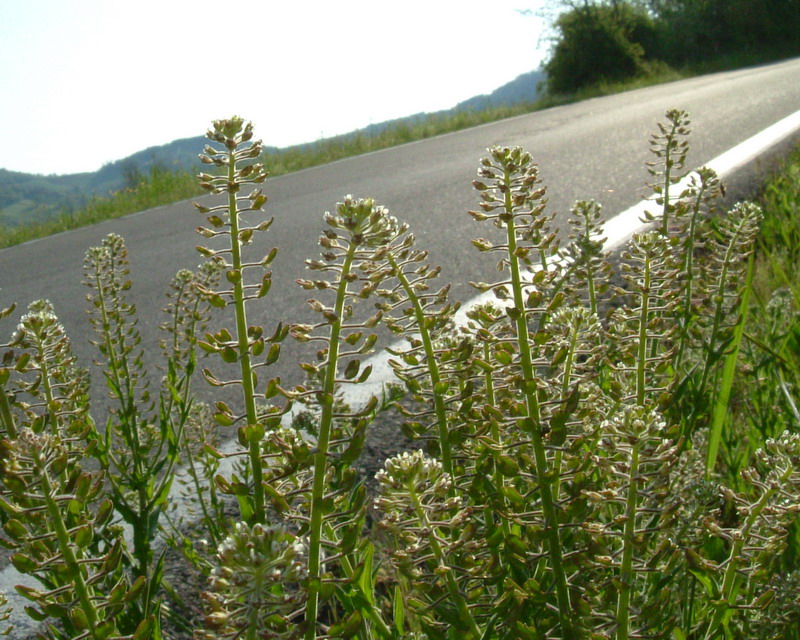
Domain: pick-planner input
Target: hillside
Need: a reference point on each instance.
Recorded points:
(27, 198)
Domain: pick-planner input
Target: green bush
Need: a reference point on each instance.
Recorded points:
(599, 43)
(692, 31)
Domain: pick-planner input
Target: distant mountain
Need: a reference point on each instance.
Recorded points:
(26, 198)
(524, 88)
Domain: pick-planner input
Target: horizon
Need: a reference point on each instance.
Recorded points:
(103, 79)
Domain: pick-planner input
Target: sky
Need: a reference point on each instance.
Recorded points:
(87, 82)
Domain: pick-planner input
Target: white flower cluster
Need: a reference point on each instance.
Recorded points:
(412, 470)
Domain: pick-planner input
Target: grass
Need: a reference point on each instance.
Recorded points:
(159, 187)
(779, 247)
(769, 378)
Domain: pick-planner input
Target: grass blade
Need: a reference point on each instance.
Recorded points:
(724, 393)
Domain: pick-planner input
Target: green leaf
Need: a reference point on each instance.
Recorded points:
(398, 610)
(729, 370)
(105, 630)
(22, 361)
(35, 614)
(15, 529)
(245, 506)
(216, 300)
(351, 370)
(152, 585)
(508, 466)
(224, 419)
(273, 354)
(558, 423)
(117, 594)
(325, 505)
(356, 446)
(228, 354)
(23, 563)
(55, 610)
(83, 536)
(513, 496)
(245, 236)
(163, 493)
(257, 348)
(78, 619)
(524, 632)
(364, 374)
(365, 581)
(145, 629)
(207, 347)
(706, 581)
(28, 592)
(272, 388)
(326, 586)
(266, 283)
(347, 628)
(279, 503)
(764, 600)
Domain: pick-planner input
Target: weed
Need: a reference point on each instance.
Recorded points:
(577, 476)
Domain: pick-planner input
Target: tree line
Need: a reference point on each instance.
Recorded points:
(613, 40)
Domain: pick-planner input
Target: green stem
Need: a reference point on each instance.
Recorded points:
(433, 372)
(321, 455)
(667, 179)
(733, 253)
(66, 548)
(499, 478)
(689, 599)
(465, 615)
(543, 472)
(565, 382)
(372, 611)
(728, 590)
(253, 626)
(245, 365)
(629, 532)
(6, 417)
(122, 379)
(644, 319)
(200, 491)
(111, 354)
(49, 396)
(723, 392)
(688, 270)
(592, 292)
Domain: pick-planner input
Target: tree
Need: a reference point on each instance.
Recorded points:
(598, 41)
(696, 30)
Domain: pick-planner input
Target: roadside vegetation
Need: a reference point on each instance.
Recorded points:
(160, 186)
(612, 41)
(595, 461)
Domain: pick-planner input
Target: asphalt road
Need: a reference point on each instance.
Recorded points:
(593, 149)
